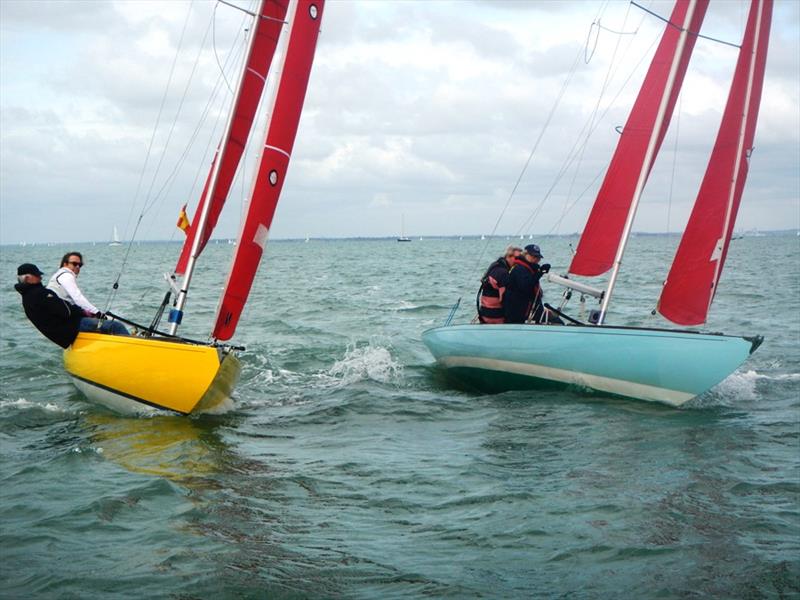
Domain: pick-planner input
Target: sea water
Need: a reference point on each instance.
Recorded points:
(350, 467)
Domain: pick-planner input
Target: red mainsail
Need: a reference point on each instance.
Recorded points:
(692, 280)
(284, 120)
(266, 30)
(604, 229)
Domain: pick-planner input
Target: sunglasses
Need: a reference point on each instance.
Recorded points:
(75, 264)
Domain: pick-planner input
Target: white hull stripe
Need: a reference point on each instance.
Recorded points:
(605, 384)
(114, 398)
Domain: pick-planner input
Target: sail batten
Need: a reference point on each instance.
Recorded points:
(266, 32)
(692, 280)
(639, 143)
(304, 25)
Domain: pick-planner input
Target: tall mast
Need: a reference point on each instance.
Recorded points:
(176, 314)
(649, 157)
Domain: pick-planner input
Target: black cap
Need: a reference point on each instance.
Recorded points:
(28, 269)
(533, 250)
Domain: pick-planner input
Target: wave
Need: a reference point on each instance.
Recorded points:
(274, 385)
(739, 385)
(777, 377)
(365, 363)
(742, 385)
(25, 404)
(410, 307)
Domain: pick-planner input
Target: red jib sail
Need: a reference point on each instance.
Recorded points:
(692, 280)
(604, 228)
(266, 30)
(291, 91)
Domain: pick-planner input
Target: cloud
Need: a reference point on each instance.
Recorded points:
(428, 109)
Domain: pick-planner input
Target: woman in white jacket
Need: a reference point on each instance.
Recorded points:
(65, 284)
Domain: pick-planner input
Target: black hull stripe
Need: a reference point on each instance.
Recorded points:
(128, 396)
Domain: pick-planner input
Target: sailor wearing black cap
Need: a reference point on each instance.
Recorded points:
(57, 319)
(523, 292)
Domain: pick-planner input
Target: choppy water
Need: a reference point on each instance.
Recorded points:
(351, 469)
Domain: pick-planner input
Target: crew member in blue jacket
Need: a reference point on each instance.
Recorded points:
(523, 292)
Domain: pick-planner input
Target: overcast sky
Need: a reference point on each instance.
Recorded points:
(427, 110)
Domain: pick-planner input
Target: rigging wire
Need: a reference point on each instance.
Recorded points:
(149, 201)
(556, 104)
(652, 313)
(233, 58)
(674, 160)
(588, 128)
(571, 158)
(589, 55)
(236, 51)
(671, 24)
(577, 146)
(115, 285)
(216, 56)
(549, 118)
(593, 116)
(574, 153)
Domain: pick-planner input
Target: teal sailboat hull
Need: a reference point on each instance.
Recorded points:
(658, 365)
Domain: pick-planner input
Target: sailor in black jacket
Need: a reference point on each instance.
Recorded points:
(522, 291)
(57, 319)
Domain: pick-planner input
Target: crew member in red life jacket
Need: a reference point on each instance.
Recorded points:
(523, 292)
(493, 284)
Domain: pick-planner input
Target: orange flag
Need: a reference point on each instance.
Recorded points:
(183, 221)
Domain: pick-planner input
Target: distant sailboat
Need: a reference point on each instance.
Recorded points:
(115, 238)
(403, 237)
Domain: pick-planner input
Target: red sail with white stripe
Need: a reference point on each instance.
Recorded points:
(291, 91)
(267, 30)
(692, 280)
(604, 229)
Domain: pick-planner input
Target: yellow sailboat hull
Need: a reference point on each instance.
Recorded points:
(134, 374)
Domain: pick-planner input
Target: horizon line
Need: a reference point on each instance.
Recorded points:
(747, 233)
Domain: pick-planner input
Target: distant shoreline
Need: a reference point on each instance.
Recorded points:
(465, 237)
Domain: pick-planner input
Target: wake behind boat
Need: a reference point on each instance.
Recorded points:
(161, 370)
(663, 365)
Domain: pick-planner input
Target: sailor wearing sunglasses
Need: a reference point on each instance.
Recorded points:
(64, 283)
